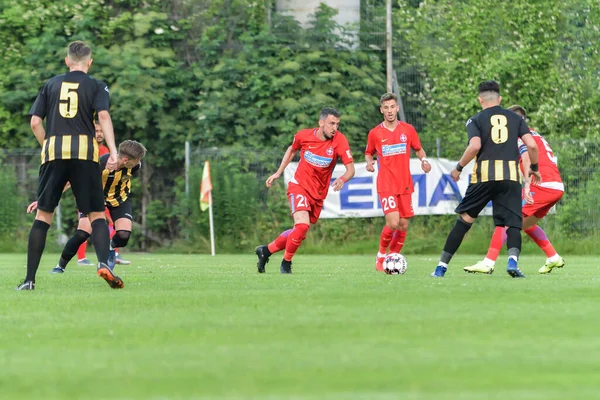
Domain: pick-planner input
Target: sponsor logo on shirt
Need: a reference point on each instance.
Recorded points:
(317, 161)
(348, 154)
(393, 149)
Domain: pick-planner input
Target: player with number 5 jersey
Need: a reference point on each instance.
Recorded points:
(392, 141)
(319, 150)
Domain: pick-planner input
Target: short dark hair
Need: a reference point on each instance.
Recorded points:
(328, 111)
(78, 51)
(519, 110)
(132, 149)
(489, 86)
(388, 96)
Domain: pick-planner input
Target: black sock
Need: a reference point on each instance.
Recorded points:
(101, 239)
(72, 246)
(455, 238)
(513, 241)
(35, 247)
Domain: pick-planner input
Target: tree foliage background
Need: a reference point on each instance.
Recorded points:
(233, 74)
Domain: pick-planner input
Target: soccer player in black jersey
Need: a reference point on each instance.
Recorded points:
(117, 187)
(68, 102)
(493, 134)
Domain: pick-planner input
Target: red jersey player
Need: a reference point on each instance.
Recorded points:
(391, 141)
(538, 199)
(319, 150)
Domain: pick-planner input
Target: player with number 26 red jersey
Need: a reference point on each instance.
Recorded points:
(392, 141)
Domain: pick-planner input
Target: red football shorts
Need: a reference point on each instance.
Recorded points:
(543, 200)
(401, 203)
(300, 200)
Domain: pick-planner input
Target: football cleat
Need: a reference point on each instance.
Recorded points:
(549, 265)
(263, 258)
(121, 260)
(57, 270)
(26, 285)
(479, 268)
(112, 259)
(513, 270)
(84, 262)
(286, 267)
(379, 264)
(106, 273)
(439, 271)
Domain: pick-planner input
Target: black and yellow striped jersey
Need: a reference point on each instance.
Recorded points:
(498, 158)
(68, 103)
(116, 184)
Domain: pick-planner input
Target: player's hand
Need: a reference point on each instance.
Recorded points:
(527, 195)
(425, 166)
(111, 163)
(272, 179)
(32, 207)
(337, 185)
(371, 166)
(455, 174)
(536, 177)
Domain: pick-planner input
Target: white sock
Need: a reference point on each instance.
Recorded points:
(379, 255)
(554, 258)
(443, 264)
(514, 258)
(489, 262)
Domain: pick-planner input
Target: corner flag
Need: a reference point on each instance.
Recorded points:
(205, 188)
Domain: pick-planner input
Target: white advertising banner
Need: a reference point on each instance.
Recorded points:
(435, 192)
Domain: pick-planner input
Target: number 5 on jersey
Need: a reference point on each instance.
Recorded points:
(69, 100)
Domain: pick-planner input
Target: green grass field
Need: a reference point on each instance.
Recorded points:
(211, 328)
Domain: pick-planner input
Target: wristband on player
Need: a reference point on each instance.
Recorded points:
(534, 167)
(342, 179)
(424, 160)
(459, 167)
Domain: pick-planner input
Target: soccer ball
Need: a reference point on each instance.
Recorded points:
(395, 264)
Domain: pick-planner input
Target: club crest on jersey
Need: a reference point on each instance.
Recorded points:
(403, 138)
(329, 151)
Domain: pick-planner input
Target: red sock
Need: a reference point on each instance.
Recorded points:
(397, 241)
(295, 238)
(81, 251)
(539, 237)
(279, 243)
(385, 239)
(498, 239)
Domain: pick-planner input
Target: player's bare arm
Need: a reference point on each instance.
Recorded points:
(109, 137)
(289, 155)
(532, 151)
(38, 129)
(370, 163)
(338, 184)
(425, 166)
(470, 153)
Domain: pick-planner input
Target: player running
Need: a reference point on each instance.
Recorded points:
(538, 200)
(319, 150)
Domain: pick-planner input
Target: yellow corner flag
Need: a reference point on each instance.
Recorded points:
(205, 187)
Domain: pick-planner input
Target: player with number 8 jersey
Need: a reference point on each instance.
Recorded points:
(392, 141)
(319, 150)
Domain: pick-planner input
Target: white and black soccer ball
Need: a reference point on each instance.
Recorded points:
(395, 264)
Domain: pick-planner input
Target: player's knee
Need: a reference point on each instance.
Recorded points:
(402, 224)
(302, 228)
(121, 238)
(82, 235)
(466, 218)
